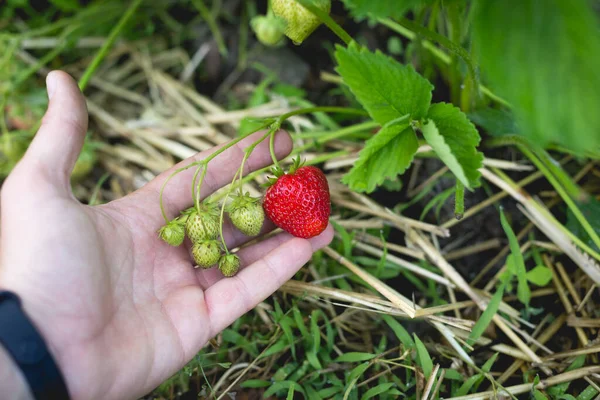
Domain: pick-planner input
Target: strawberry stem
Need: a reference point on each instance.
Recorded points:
(162, 189)
(238, 172)
(272, 149)
(112, 37)
(200, 185)
(241, 170)
(309, 110)
(274, 125)
(194, 184)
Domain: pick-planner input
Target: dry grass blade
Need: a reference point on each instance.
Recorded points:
(564, 299)
(526, 387)
(402, 223)
(548, 225)
(458, 280)
(385, 290)
(476, 248)
(583, 322)
(543, 338)
(404, 264)
(374, 240)
(574, 353)
(430, 382)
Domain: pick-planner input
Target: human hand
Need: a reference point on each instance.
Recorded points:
(121, 310)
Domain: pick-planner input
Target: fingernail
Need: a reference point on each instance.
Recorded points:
(51, 84)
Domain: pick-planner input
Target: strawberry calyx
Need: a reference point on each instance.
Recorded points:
(241, 201)
(173, 233)
(279, 172)
(207, 207)
(296, 164)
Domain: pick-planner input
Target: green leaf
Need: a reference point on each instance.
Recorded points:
(489, 363)
(277, 386)
(330, 391)
(495, 122)
(523, 292)
(380, 8)
(387, 89)
(358, 371)
(277, 347)
(561, 389)
(311, 392)
(355, 357)
(453, 375)
(540, 275)
(234, 337)
(286, 326)
(546, 65)
(399, 331)
(393, 185)
(537, 395)
(288, 90)
(438, 200)
(486, 317)
(250, 124)
(284, 372)
(300, 324)
(423, 357)
(255, 383)
(290, 395)
(346, 237)
(588, 393)
(454, 139)
(468, 384)
(377, 390)
(66, 5)
(567, 397)
(591, 211)
(385, 155)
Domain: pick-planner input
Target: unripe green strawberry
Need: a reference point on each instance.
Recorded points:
(246, 214)
(229, 264)
(268, 29)
(203, 224)
(206, 253)
(173, 232)
(300, 22)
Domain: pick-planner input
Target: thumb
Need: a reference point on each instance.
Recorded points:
(57, 144)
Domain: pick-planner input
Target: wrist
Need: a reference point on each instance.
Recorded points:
(27, 351)
(12, 381)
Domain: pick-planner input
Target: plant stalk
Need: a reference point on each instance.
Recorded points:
(327, 20)
(112, 37)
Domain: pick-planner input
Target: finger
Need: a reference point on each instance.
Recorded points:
(178, 192)
(230, 298)
(254, 252)
(56, 146)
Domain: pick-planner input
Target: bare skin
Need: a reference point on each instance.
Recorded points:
(120, 309)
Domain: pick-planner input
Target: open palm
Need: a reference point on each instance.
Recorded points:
(120, 309)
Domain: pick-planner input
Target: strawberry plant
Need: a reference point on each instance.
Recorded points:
(297, 201)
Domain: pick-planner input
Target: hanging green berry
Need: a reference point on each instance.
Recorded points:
(300, 22)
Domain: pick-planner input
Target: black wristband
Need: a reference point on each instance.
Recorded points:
(29, 351)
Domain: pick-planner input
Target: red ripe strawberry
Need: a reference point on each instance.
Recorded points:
(298, 202)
